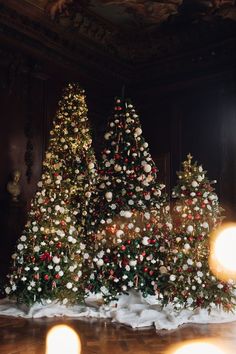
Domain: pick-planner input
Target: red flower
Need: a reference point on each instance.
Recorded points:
(46, 257)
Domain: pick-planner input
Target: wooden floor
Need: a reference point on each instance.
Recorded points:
(23, 336)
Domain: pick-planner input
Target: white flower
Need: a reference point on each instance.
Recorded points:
(194, 184)
(56, 260)
(199, 264)
(23, 238)
(189, 301)
(104, 290)
(57, 268)
(100, 254)
(69, 285)
(200, 274)
(128, 214)
(127, 268)
(35, 228)
(200, 178)
(172, 277)
(7, 290)
(86, 256)
(130, 284)
(185, 267)
(145, 241)
(124, 287)
(132, 263)
(20, 247)
(61, 273)
(187, 246)
(36, 248)
(100, 262)
(82, 246)
(220, 286)
(189, 261)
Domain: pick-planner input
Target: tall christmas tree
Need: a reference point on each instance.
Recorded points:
(47, 264)
(129, 234)
(196, 213)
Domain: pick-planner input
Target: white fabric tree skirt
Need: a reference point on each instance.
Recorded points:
(132, 310)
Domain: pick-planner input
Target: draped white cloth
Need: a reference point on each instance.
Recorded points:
(132, 310)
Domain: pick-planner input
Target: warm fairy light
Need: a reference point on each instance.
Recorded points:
(197, 347)
(62, 339)
(222, 257)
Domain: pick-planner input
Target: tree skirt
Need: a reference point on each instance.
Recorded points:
(132, 310)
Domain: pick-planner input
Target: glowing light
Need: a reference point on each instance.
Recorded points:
(222, 257)
(197, 347)
(62, 339)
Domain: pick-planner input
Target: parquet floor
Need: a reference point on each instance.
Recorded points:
(27, 336)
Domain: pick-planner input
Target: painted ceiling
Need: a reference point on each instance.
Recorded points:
(128, 13)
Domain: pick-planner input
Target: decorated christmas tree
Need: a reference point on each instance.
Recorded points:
(47, 264)
(130, 225)
(196, 214)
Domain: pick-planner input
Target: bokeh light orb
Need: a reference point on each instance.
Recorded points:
(62, 339)
(200, 346)
(222, 258)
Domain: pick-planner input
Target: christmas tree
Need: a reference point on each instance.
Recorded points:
(196, 214)
(130, 226)
(47, 264)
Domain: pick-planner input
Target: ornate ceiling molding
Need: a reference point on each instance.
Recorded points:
(107, 55)
(51, 40)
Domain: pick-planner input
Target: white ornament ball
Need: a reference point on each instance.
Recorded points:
(107, 136)
(194, 184)
(189, 229)
(205, 225)
(187, 246)
(100, 262)
(119, 233)
(117, 168)
(147, 168)
(138, 131)
(91, 165)
(108, 196)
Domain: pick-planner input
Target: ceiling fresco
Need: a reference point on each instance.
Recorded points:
(145, 12)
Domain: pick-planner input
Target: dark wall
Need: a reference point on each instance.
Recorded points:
(196, 116)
